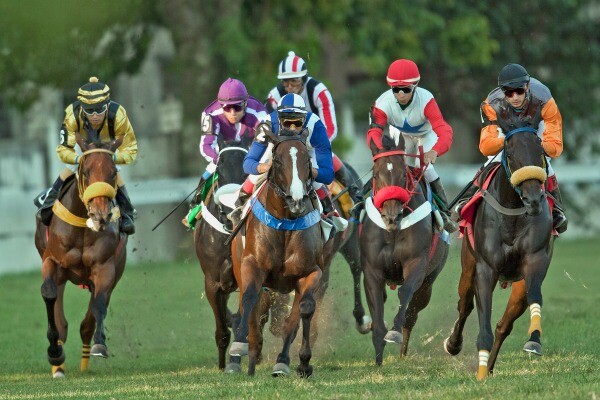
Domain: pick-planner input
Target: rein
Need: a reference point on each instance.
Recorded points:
(524, 173)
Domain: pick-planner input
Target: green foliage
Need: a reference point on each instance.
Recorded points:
(160, 331)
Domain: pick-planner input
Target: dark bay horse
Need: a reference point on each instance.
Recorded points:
(512, 242)
(209, 240)
(283, 251)
(399, 245)
(82, 245)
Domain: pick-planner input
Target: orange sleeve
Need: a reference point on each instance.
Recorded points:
(552, 136)
(490, 143)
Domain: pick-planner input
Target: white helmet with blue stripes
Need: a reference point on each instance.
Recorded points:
(292, 108)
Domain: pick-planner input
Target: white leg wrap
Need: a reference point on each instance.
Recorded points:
(484, 356)
(535, 309)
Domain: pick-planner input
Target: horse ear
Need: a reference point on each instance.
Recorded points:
(220, 142)
(82, 145)
(116, 144)
(388, 142)
(246, 141)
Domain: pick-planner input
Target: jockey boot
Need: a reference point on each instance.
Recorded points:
(45, 210)
(464, 199)
(559, 219)
(236, 215)
(189, 221)
(343, 176)
(127, 211)
(440, 199)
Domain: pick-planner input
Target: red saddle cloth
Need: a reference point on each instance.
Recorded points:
(467, 214)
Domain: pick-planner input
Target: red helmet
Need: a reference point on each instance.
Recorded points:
(403, 73)
(232, 91)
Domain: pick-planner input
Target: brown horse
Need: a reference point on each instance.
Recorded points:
(82, 245)
(399, 245)
(209, 240)
(283, 251)
(512, 242)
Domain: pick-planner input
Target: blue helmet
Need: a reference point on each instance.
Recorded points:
(292, 108)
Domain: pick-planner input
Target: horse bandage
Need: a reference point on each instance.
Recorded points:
(98, 189)
(535, 323)
(529, 172)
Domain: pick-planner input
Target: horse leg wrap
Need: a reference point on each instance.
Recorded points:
(482, 370)
(85, 357)
(58, 371)
(536, 318)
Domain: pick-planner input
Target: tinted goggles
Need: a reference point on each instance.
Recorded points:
(292, 81)
(288, 123)
(96, 110)
(403, 89)
(509, 92)
(233, 107)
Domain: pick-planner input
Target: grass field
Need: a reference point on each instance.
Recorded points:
(161, 342)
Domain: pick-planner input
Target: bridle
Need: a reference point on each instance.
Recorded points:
(96, 189)
(527, 172)
(276, 187)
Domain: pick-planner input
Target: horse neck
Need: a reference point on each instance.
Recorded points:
(73, 202)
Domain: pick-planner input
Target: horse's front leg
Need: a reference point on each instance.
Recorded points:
(307, 287)
(466, 293)
(103, 277)
(218, 302)
(375, 293)
(535, 267)
(414, 274)
(49, 291)
(485, 281)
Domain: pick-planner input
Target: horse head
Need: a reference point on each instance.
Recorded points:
(231, 159)
(392, 181)
(524, 161)
(290, 175)
(97, 180)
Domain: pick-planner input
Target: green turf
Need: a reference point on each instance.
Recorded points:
(161, 341)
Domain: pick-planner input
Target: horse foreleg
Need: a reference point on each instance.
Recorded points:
(104, 280)
(375, 293)
(49, 291)
(282, 367)
(485, 281)
(351, 253)
(514, 309)
(307, 306)
(218, 302)
(534, 272)
(466, 293)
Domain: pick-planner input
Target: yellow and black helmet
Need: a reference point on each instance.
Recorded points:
(93, 94)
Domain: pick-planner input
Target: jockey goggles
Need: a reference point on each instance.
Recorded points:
(403, 89)
(234, 107)
(509, 92)
(96, 110)
(296, 122)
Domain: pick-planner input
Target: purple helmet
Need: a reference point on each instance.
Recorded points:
(232, 91)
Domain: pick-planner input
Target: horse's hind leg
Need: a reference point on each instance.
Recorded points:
(376, 296)
(517, 303)
(351, 252)
(49, 290)
(419, 301)
(218, 302)
(282, 367)
(466, 292)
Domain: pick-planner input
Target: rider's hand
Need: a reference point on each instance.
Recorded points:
(315, 172)
(430, 157)
(264, 167)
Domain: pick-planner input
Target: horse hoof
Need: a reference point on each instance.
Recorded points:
(238, 349)
(280, 369)
(365, 326)
(305, 372)
(233, 368)
(99, 350)
(393, 337)
(58, 374)
(450, 349)
(533, 347)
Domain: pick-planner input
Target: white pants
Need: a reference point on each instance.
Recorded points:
(411, 146)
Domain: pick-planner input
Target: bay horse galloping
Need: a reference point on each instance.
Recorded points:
(512, 241)
(82, 245)
(399, 244)
(209, 240)
(283, 251)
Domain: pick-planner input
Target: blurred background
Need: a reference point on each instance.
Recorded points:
(165, 60)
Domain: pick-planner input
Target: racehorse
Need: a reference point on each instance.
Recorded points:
(210, 235)
(82, 245)
(399, 244)
(283, 251)
(512, 241)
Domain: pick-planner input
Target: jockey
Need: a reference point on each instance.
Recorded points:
(413, 112)
(517, 102)
(90, 111)
(294, 79)
(290, 116)
(232, 115)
